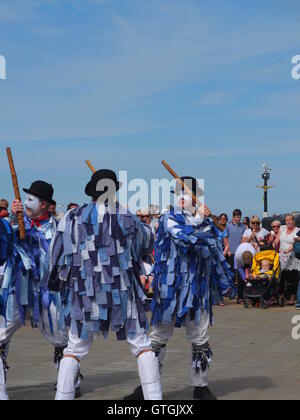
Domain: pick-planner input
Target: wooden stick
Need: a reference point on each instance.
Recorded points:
(17, 192)
(89, 164)
(191, 194)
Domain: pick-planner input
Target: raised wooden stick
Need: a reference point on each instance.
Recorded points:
(17, 192)
(191, 194)
(89, 164)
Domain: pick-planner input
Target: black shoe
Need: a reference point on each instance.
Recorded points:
(204, 394)
(79, 379)
(78, 393)
(137, 395)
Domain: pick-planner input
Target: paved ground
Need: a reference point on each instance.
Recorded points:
(255, 357)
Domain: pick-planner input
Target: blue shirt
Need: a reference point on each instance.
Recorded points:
(235, 233)
(223, 234)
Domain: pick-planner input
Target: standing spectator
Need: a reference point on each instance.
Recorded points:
(223, 236)
(4, 209)
(246, 222)
(298, 293)
(257, 235)
(145, 215)
(72, 206)
(53, 212)
(235, 231)
(3, 215)
(290, 265)
(146, 260)
(223, 220)
(276, 225)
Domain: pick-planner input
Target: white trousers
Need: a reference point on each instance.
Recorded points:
(78, 349)
(58, 338)
(197, 334)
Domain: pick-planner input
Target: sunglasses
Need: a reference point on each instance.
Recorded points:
(256, 223)
(276, 226)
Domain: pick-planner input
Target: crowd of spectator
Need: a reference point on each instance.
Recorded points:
(242, 238)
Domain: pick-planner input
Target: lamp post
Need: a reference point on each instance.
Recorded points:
(266, 177)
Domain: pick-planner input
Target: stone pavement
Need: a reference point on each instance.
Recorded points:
(255, 357)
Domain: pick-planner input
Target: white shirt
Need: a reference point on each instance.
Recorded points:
(288, 261)
(260, 236)
(287, 240)
(238, 257)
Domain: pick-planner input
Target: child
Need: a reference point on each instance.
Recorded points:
(265, 271)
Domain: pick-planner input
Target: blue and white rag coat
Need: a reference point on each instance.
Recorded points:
(189, 266)
(21, 289)
(95, 258)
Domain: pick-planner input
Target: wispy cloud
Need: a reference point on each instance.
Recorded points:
(160, 72)
(123, 62)
(219, 98)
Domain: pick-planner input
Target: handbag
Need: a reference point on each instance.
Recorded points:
(297, 250)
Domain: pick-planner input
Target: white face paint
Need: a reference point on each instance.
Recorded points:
(188, 202)
(32, 203)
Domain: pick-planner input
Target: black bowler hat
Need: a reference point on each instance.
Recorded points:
(192, 184)
(41, 190)
(102, 175)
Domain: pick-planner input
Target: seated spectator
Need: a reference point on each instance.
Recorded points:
(265, 271)
(256, 236)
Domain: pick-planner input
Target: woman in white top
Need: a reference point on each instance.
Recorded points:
(256, 235)
(290, 265)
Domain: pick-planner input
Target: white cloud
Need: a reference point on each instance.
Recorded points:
(219, 98)
(89, 90)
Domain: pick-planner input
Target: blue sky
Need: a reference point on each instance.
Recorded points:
(126, 83)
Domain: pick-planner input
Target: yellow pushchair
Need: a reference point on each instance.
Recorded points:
(262, 290)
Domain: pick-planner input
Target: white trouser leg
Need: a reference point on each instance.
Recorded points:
(197, 334)
(148, 366)
(69, 366)
(66, 382)
(57, 337)
(3, 393)
(150, 377)
(7, 331)
(160, 337)
(162, 333)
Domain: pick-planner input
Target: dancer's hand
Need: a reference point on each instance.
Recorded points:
(204, 211)
(17, 207)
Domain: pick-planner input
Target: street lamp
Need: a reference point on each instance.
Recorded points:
(266, 177)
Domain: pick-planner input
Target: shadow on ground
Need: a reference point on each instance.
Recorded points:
(225, 387)
(91, 384)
